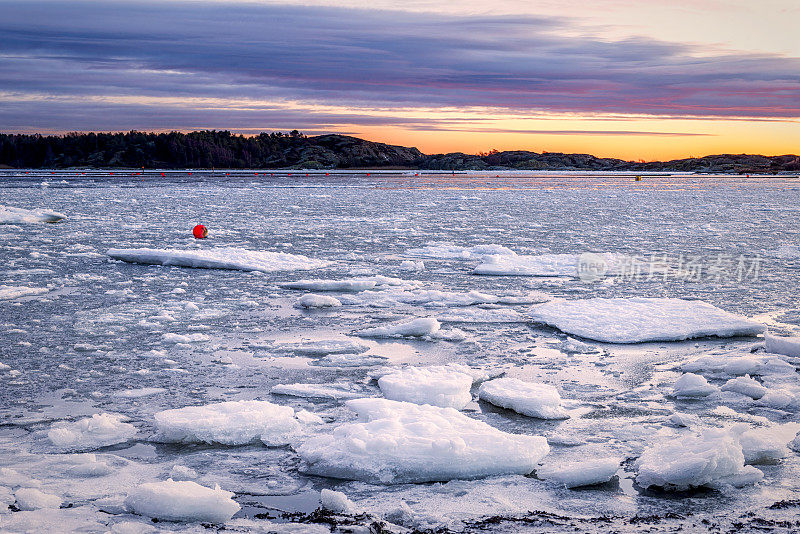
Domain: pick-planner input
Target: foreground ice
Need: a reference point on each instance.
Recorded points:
(636, 320)
(182, 501)
(11, 215)
(690, 385)
(337, 502)
(219, 258)
(788, 346)
(228, 423)
(713, 458)
(29, 499)
(438, 385)
(99, 430)
(583, 473)
(399, 442)
(528, 398)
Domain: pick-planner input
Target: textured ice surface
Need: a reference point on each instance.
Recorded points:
(398, 442)
(99, 430)
(317, 391)
(350, 285)
(713, 458)
(33, 499)
(582, 473)
(444, 250)
(337, 502)
(527, 398)
(438, 385)
(173, 500)
(11, 215)
(634, 320)
(228, 423)
(746, 386)
(323, 347)
(218, 258)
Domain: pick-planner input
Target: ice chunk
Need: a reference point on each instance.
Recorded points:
(745, 386)
(635, 320)
(409, 265)
(188, 338)
(693, 386)
(540, 265)
(182, 501)
(528, 398)
(323, 347)
(419, 327)
(445, 250)
(573, 346)
(33, 499)
(317, 391)
(6, 499)
(99, 430)
(219, 258)
(14, 292)
(181, 472)
(789, 346)
(138, 392)
(778, 399)
(399, 442)
(683, 420)
(713, 458)
(757, 446)
(584, 473)
(337, 502)
(87, 465)
(228, 423)
(795, 443)
(439, 385)
(309, 300)
(350, 285)
(11, 215)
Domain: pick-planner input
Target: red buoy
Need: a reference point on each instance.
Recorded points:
(200, 232)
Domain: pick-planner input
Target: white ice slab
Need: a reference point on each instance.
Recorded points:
(449, 251)
(533, 265)
(11, 215)
(323, 347)
(99, 430)
(399, 442)
(309, 300)
(437, 385)
(528, 398)
(219, 258)
(635, 320)
(14, 292)
(172, 500)
(317, 391)
(788, 346)
(583, 473)
(419, 327)
(713, 458)
(228, 423)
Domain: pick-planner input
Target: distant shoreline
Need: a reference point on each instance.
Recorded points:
(294, 151)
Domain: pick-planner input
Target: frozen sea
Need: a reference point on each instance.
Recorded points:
(83, 334)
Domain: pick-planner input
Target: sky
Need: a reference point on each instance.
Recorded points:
(616, 78)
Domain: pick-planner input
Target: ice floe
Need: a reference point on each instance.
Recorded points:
(228, 423)
(582, 473)
(322, 347)
(173, 500)
(419, 327)
(438, 385)
(745, 386)
(99, 430)
(690, 385)
(541, 265)
(527, 398)
(14, 292)
(309, 300)
(758, 446)
(351, 285)
(11, 215)
(449, 251)
(33, 499)
(736, 364)
(469, 315)
(219, 258)
(635, 320)
(788, 346)
(399, 442)
(318, 391)
(337, 502)
(713, 458)
(350, 360)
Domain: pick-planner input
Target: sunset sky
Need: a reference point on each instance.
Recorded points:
(620, 78)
